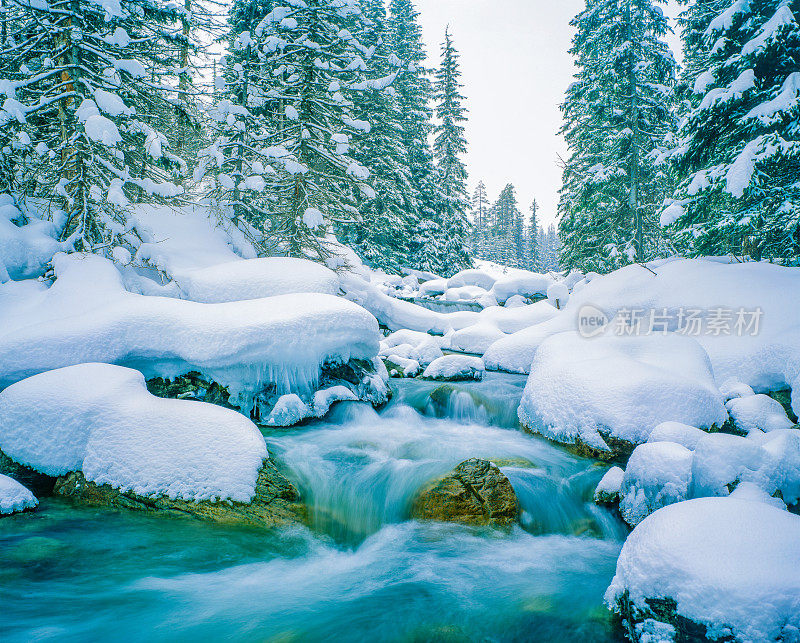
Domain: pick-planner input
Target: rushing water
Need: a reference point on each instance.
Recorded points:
(362, 571)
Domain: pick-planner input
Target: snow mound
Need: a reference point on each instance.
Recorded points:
(25, 249)
(256, 278)
(101, 420)
(455, 367)
(763, 351)
(88, 316)
(471, 277)
(521, 282)
(588, 390)
(411, 345)
(14, 497)
(658, 474)
(677, 432)
(758, 412)
(476, 338)
(730, 564)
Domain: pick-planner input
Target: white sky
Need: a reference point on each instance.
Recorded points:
(515, 69)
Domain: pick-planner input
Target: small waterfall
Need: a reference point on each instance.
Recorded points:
(361, 470)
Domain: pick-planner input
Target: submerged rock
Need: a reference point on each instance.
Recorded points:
(476, 492)
(276, 501)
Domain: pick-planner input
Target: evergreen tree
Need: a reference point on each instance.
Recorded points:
(294, 118)
(506, 228)
(616, 117)
(413, 99)
(86, 85)
(381, 237)
(533, 241)
(480, 211)
(738, 149)
(450, 145)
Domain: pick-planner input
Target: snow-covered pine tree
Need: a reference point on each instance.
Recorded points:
(533, 238)
(298, 104)
(506, 221)
(480, 211)
(738, 149)
(616, 115)
(450, 144)
(381, 237)
(234, 164)
(413, 88)
(84, 83)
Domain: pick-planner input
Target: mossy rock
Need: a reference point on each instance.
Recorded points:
(276, 501)
(476, 492)
(39, 483)
(664, 610)
(785, 399)
(191, 386)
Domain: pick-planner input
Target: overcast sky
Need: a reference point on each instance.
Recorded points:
(515, 69)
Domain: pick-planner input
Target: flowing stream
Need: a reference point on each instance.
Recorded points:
(362, 571)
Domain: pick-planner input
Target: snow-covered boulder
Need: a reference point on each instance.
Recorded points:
(256, 278)
(471, 277)
(398, 366)
(464, 293)
(677, 432)
(712, 569)
(606, 394)
(558, 295)
(750, 327)
(609, 487)
(433, 288)
(283, 343)
(14, 497)
(476, 338)
(758, 412)
(521, 282)
(658, 474)
(96, 424)
(452, 368)
(411, 345)
(733, 388)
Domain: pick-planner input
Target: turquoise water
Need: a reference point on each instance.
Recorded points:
(362, 571)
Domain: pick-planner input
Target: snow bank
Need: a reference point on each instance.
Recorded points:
(88, 316)
(619, 387)
(101, 420)
(455, 367)
(730, 564)
(14, 497)
(767, 360)
(256, 278)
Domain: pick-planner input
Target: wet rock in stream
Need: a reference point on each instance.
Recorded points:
(476, 492)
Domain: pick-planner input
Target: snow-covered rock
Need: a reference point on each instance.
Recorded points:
(734, 388)
(464, 293)
(412, 345)
(729, 567)
(677, 432)
(100, 420)
(476, 338)
(609, 393)
(758, 412)
(521, 282)
(87, 315)
(256, 278)
(471, 277)
(433, 287)
(288, 410)
(608, 489)
(14, 497)
(759, 347)
(451, 368)
(658, 474)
